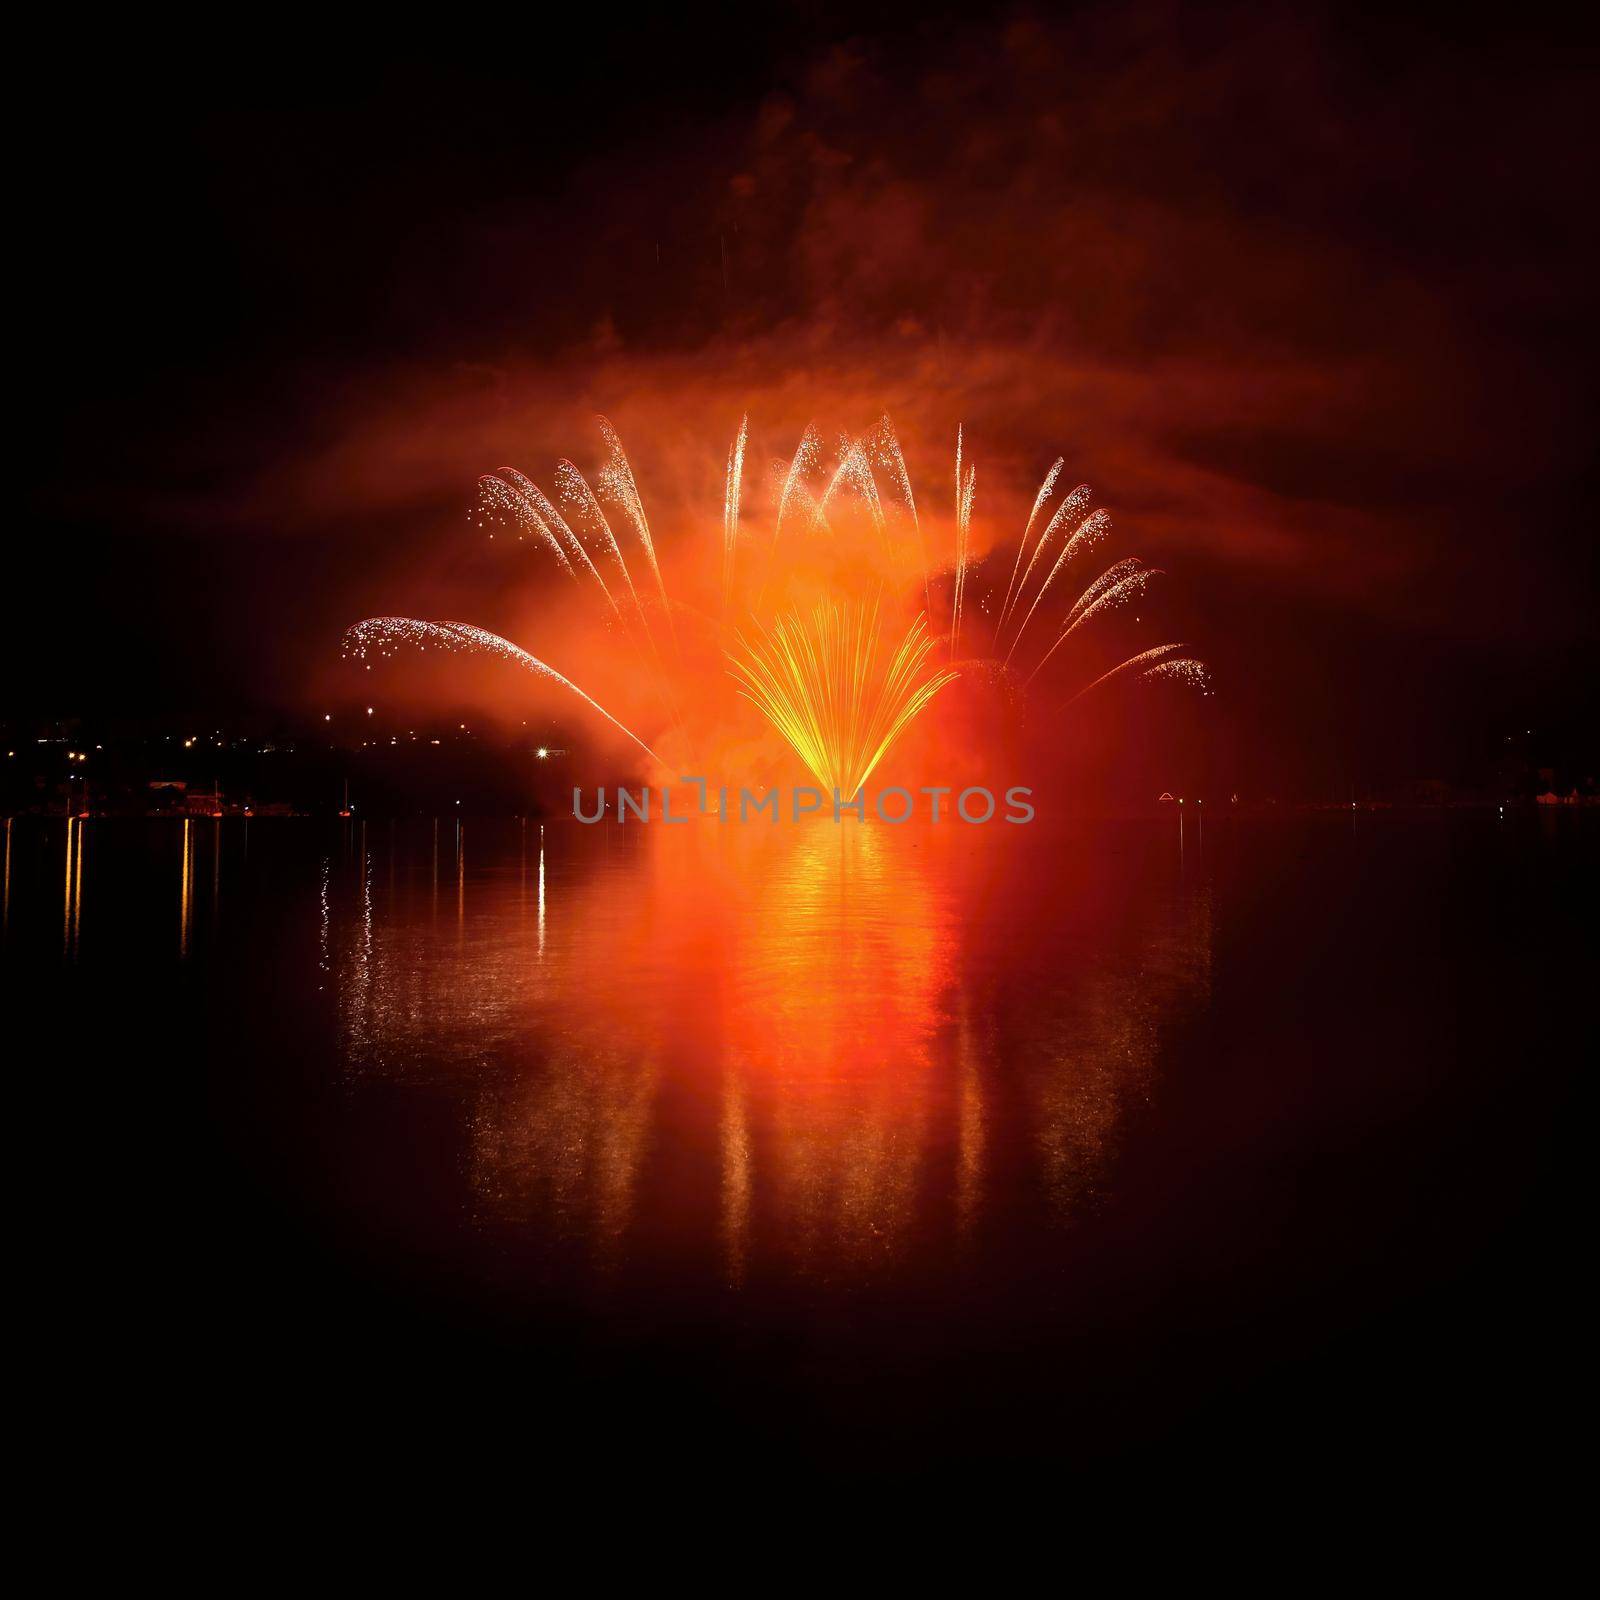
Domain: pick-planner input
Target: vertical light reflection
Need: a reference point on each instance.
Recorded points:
(77, 886)
(66, 895)
(969, 1124)
(839, 1032)
(736, 1177)
(541, 891)
(357, 988)
(186, 889)
(5, 895)
(324, 928)
(366, 900)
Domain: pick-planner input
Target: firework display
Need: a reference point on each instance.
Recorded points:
(823, 662)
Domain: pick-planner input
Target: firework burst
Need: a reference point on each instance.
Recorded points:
(826, 683)
(817, 628)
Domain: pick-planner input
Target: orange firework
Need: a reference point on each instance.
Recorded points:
(841, 679)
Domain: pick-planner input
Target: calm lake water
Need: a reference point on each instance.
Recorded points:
(863, 1148)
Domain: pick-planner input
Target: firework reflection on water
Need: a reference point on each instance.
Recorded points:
(807, 1050)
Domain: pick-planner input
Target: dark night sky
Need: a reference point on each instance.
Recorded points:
(1306, 298)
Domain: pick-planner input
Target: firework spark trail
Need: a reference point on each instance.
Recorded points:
(504, 498)
(855, 471)
(891, 457)
(539, 505)
(800, 495)
(1188, 671)
(1065, 512)
(574, 490)
(966, 490)
(382, 634)
(1117, 584)
(955, 588)
(730, 510)
(1145, 660)
(1114, 588)
(510, 491)
(964, 525)
(617, 481)
(817, 682)
(1086, 536)
(807, 456)
(1046, 489)
(535, 509)
(968, 495)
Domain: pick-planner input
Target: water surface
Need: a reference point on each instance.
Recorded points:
(873, 1145)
